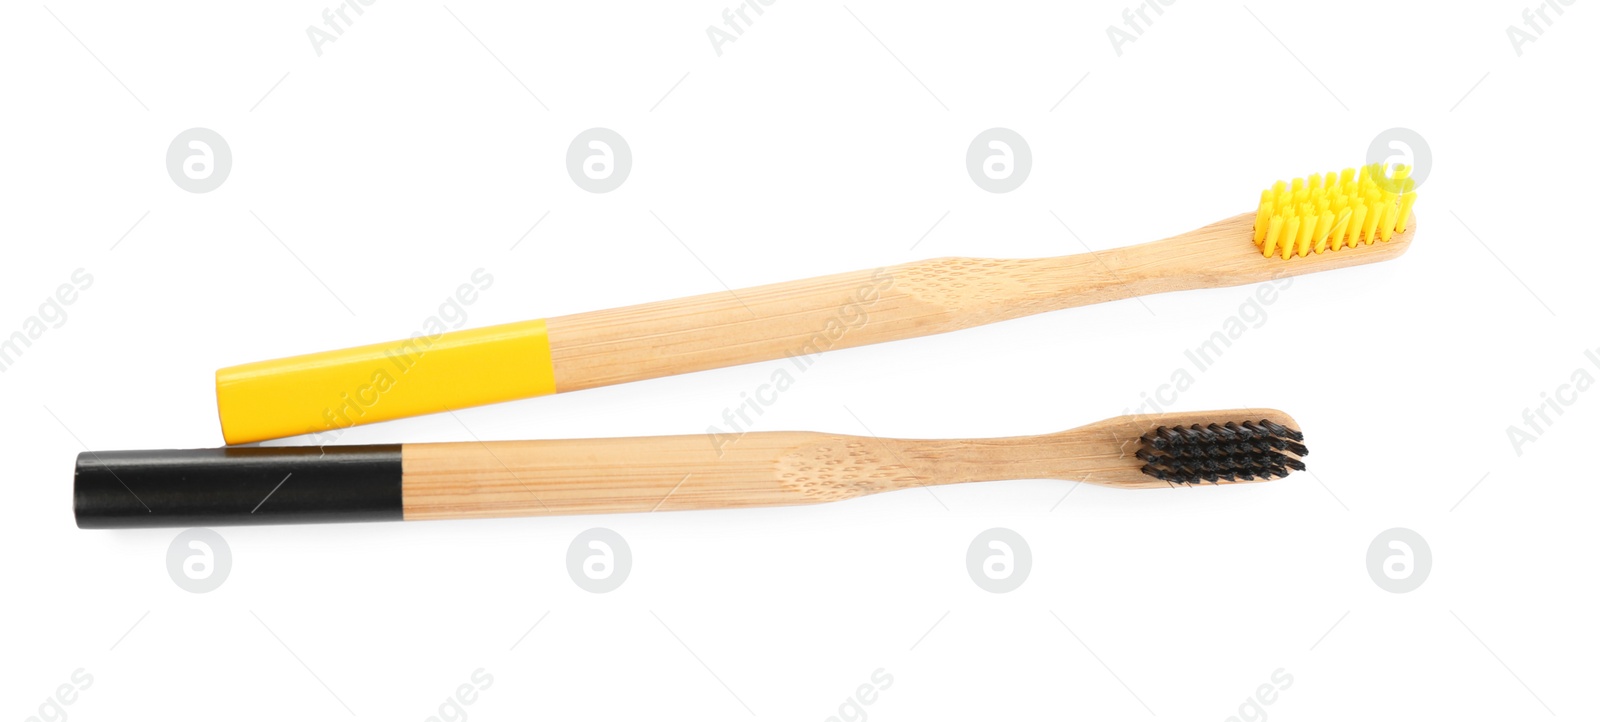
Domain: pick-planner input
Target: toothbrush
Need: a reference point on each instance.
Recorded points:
(282, 485)
(1317, 223)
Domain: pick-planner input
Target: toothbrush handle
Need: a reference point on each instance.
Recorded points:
(603, 476)
(721, 471)
(326, 392)
(799, 319)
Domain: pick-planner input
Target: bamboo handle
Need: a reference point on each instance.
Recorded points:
(598, 476)
(667, 473)
(799, 319)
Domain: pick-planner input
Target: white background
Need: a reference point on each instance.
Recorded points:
(407, 155)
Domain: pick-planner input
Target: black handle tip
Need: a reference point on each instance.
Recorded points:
(232, 486)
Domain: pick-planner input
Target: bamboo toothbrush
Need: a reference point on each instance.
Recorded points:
(279, 485)
(1314, 224)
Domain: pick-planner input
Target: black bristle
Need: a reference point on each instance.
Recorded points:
(1284, 431)
(1223, 433)
(1232, 451)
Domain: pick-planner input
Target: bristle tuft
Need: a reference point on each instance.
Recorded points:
(1216, 453)
(1334, 211)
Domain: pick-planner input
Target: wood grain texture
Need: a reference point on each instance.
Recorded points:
(803, 318)
(666, 473)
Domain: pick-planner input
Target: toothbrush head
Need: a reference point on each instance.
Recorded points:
(1222, 452)
(1332, 212)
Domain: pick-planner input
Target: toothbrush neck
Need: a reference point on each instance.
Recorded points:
(957, 461)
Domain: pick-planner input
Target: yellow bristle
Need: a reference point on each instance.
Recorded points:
(1314, 181)
(1297, 184)
(1406, 202)
(1357, 220)
(1279, 187)
(1386, 226)
(1347, 176)
(1365, 176)
(1263, 216)
(1319, 238)
(1274, 232)
(1336, 236)
(1291, 231)
(1369, 231)
(1308, 226)
(1401, 172)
